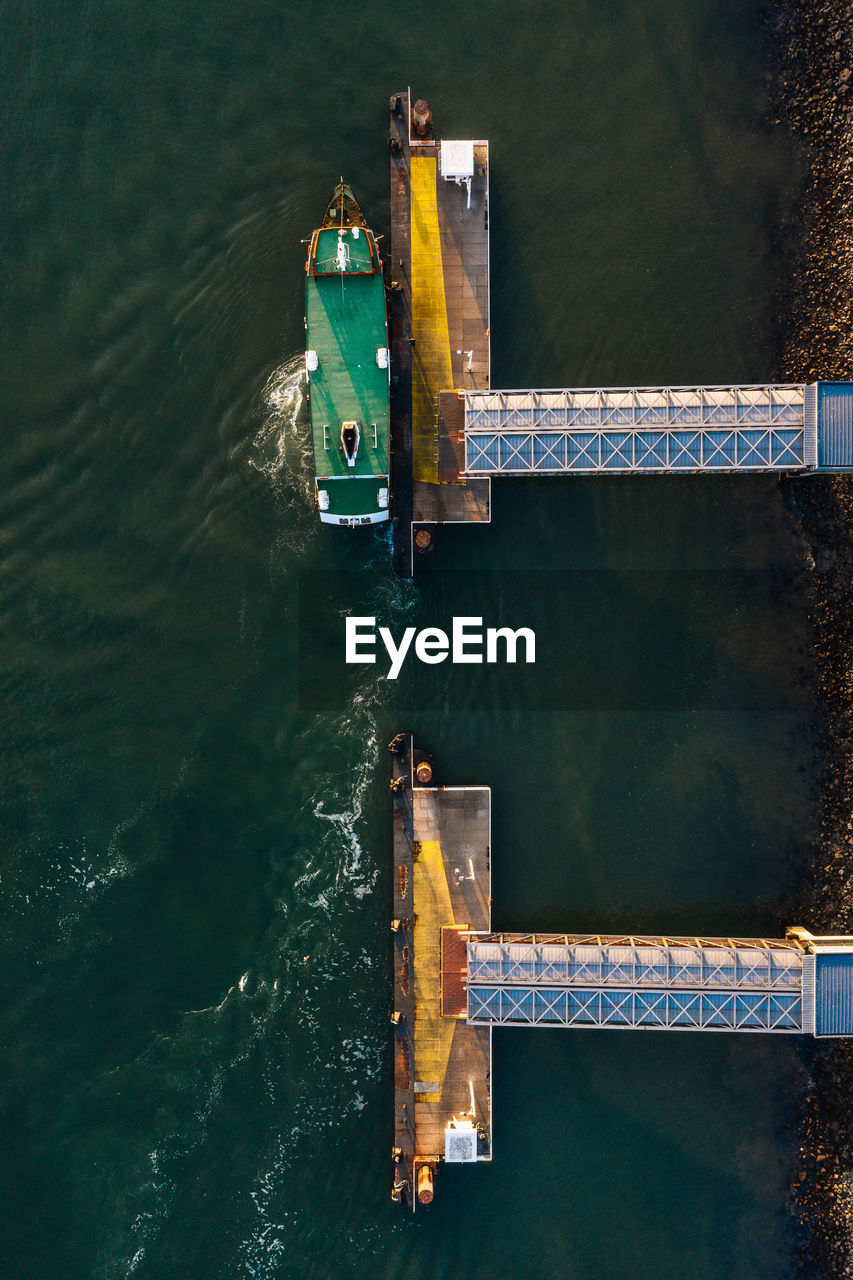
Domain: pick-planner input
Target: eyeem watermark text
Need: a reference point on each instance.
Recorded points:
(467, 643)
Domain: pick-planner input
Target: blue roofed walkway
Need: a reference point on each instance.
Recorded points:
(707, 984)
(800, 983)
(658, 430)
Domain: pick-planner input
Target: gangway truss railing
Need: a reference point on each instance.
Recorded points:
(749, 427)
(635, 1009)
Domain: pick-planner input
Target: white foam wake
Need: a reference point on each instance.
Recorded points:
(281, 449)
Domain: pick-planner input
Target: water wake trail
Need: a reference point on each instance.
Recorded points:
(339, 800)
(186, 1073)
(281, 448)
(271, 1026)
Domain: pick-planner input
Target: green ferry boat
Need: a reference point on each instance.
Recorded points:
(347, 363)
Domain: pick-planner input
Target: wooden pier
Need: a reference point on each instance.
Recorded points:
(455, 981)
(439, 323)
(442, 886)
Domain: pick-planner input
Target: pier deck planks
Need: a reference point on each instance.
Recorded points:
(441, 835)
(439, 314)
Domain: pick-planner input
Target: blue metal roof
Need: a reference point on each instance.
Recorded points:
(835, 426)
(834, 994)
(613, 962)
(637, 429)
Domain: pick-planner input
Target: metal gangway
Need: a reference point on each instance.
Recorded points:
(800, 983)
(770, 427)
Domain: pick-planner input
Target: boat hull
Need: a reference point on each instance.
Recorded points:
(347, 367)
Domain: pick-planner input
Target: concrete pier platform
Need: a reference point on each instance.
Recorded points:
(442, 886)
(439, 265)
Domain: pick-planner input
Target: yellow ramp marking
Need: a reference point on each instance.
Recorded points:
(433, 1032)
(431, 368)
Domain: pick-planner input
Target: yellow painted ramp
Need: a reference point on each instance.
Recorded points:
(433, 1033)
(431, 367)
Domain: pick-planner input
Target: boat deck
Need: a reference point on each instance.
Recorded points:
(345, 319)
(357, 250)
(441, 889)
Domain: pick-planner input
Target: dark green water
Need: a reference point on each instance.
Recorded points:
(195, 832)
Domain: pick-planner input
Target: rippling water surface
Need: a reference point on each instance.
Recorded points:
(194, 833)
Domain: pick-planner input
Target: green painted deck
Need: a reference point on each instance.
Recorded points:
(358, 250)
(346, 326)
(353, 495)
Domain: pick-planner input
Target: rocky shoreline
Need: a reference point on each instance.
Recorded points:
(822, 1194)
(814, 46)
